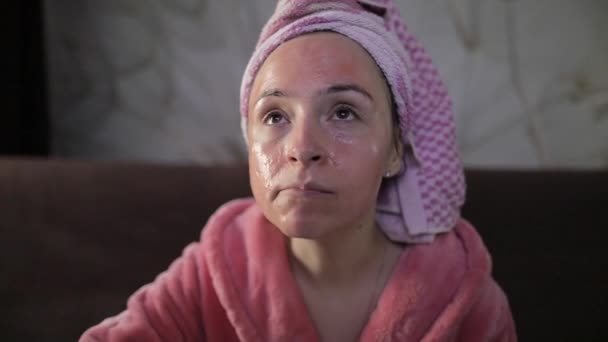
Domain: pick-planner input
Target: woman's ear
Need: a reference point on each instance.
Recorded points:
(395, 160)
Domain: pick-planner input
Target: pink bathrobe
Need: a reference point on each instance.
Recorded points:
(236, 285)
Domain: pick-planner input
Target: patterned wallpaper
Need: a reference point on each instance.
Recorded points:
(158, 80)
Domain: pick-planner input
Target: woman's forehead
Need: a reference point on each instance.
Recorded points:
(317, 61)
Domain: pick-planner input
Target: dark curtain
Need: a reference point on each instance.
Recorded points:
(24, 122)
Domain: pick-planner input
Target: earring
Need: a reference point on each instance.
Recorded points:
(387, 174)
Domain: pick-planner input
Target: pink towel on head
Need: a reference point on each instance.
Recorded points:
(426, 197)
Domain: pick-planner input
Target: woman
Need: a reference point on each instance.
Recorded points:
(354, 231)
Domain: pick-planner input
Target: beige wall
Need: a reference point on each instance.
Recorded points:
(158, 80)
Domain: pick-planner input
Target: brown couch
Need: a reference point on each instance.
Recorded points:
(76, 238)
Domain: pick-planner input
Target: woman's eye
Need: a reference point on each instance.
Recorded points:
(345, 114)
(274, 118)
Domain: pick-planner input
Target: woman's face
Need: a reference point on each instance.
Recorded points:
(320, 136)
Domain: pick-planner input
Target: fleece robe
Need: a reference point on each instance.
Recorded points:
(236, 285)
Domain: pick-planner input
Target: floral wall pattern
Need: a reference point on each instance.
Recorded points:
(158, 80)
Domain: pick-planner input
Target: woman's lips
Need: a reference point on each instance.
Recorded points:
(307, 189)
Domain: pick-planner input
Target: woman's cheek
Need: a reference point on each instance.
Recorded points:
(343, 138)
(265, 160)
(354, 147)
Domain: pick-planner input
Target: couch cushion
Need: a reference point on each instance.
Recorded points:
(547, 233)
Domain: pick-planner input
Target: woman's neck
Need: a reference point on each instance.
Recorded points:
(340, 257)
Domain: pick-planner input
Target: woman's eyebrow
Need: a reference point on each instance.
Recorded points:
(271, 92)
(337, 88)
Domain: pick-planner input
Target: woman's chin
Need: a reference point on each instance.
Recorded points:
(302, 228)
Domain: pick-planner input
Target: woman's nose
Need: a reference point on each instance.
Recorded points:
(304, 144)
